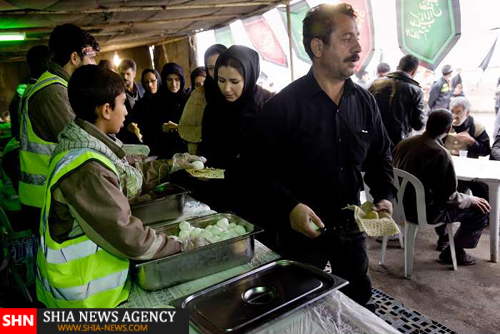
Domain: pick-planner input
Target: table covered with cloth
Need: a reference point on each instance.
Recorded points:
(333, 314)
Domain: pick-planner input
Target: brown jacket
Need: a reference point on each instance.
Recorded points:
(90, 201)
(432, 164)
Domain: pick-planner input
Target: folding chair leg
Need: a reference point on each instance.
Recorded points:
(409, 240)
(449, 228)
(384, 248)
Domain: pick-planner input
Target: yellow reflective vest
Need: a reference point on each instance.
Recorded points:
(35, 153)
(77, 273)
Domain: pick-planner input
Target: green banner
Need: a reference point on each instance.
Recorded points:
(298, 12)
(428, 29)
(224, 36)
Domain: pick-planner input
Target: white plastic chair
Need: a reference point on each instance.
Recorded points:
(401, 179)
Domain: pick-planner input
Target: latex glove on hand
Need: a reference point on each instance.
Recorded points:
(191, 243)
(184, 161)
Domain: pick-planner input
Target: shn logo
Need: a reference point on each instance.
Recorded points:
(17, 320)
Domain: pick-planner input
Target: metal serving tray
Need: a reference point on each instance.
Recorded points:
(251, 300)
(200, 262)
(169, 206)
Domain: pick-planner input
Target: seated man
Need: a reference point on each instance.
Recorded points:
(466, 133)
(87, 231)
(425, 158)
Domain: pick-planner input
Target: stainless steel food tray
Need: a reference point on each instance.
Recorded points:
(252, 300)
(169, 206)
(200, 262)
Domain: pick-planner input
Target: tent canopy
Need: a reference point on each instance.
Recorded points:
(119, 24)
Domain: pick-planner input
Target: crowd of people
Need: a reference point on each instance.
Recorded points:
(290, 159)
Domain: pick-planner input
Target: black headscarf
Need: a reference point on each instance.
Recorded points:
(158, 78)
(171, 105)
(165, 107)
(197, 72)
(174, 68)
(249, 59)
(210, 85)
(226, 125)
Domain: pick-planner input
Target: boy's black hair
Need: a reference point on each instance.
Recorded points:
(68, 38)
(91, 86)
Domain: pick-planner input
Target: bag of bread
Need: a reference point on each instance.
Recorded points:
(374, 224)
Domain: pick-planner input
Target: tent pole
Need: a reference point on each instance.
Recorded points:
(289, 30)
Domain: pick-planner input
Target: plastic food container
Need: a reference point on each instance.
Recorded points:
(136, 149)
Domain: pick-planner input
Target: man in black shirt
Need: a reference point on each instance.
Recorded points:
(317, 135)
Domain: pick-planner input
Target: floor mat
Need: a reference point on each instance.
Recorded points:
(404, 319)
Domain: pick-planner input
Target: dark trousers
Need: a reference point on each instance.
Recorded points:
(472, 223)
(346, 253)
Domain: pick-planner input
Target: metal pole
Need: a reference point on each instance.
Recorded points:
(289, 30)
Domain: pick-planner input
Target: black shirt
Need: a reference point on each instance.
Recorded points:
(315, 150)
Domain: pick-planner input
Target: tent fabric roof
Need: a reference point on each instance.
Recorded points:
(119, 24)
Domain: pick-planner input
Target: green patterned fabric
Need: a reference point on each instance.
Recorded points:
(74, 137)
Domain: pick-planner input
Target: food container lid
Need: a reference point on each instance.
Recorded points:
(253, 299)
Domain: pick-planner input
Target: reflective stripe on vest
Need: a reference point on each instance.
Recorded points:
(83, 292)
(35, 153)
(77, 272)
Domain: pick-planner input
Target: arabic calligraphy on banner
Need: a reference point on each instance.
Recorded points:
(421, 21)
(265, 42)
(363, 11)
(428, 29)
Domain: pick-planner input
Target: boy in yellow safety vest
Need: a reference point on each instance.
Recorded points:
(87, 231)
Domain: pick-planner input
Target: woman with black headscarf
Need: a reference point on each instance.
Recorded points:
(143, 113)
(228, 121)
(168, 107)
(198, 76)
(190, 123)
